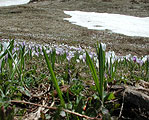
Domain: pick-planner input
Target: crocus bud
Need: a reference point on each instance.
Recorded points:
(134, 58)
(103, 46)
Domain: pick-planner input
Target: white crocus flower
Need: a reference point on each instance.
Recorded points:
(81, 57)
(144, 59)
(48, 51)
(1, 53)
(84, 55)
(128, 57)
(95, 58)
(103, 46)
(110, 56)
(78, 60)
(15, 62)
(33, 53)
(97, 63)
(5, 45)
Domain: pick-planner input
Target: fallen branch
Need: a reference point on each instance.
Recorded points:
(55, 108)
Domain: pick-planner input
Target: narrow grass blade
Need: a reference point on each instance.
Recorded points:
(15, 69)
(10, 61)
(9, 47)
(14, 62)
(22, 56)
(53, 78)
(2, 95)
(101, 71)
(93, 70)
(2, 64)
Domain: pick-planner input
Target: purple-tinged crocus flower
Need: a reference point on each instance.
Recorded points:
(140, 62)
(69, 57)
(134, 58)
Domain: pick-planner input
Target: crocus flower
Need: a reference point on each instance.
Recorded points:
(5, 45)
(140, 62)
(48, 51)
(144, 59)
(84, 55)
(33, 53)
(110, 57)
(128, 57)
(103, 46)
(134, 58)
(97, 63)
(59, 51)
(91, 55)
(81, 57)
(15, 62)
(36, 54)
(77, 60)
(69, 57)
(106, 76)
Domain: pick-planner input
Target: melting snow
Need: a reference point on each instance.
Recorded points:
(13, 2)
(122, 24)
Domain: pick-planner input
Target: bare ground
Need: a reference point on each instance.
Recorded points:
(43, 22)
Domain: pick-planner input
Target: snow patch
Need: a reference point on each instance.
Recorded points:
(13, 2)
(122, 24)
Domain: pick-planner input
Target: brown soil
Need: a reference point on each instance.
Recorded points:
(43, 22)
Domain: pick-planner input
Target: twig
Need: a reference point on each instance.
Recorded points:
(55, 108)
(111, 101)
(122, 106)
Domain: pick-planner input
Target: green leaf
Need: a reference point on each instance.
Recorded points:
(79, 107)
(109, 96)
(93, 71)
(101, 70)
(53, 78)
(2, 65)
(2, 94)
(14, 63)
